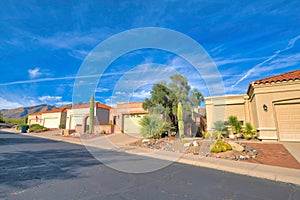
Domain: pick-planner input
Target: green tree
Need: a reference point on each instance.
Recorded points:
(169, 95)
(235, 124)
(195, 99)
(92, 113)
(1, 117)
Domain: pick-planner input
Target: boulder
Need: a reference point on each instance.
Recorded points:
(195, 144)
(145, 140)
(232, 136)
(236, 146)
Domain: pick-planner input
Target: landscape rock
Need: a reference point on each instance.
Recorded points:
(232, 136)
(236, 147)
(242, 157)
(187, 144)
(195, 144)
(145, 140)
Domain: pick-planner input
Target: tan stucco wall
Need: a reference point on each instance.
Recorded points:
(270, 94)
(220, 108)
(32, 119)
(125, 109)
(75, 116)
(51, 120)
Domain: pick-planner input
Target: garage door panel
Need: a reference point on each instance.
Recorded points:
(51, 123)
(288, 121)
(131, 123)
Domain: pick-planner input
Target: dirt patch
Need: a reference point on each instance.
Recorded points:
(178, 146)
(254, 152)
(274, 154)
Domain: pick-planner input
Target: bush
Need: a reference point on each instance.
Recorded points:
(19, 127)
(249, 132)
(220, 146)
(62, 126)
(37, 128)
(103, 132)
(153, 126)
(235, 124)
(220, 129)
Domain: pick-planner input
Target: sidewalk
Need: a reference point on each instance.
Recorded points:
(118, 141)
(293, 148)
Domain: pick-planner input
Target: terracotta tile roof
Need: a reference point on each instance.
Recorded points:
(281, 77)
(50, 111)
(55, 110)
(87, 105)
(38, 113)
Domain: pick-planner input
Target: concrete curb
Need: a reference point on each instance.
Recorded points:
(274, 173)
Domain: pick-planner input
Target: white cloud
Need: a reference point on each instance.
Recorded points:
(141, 94)
(50, 98)
(120, 93)
(5, 104)
(63, 103)
(34, 73)
(101, 89)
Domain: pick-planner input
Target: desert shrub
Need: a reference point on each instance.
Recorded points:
(249, 131)
(62, 126)
(220, 146)
(37, 128)
(235, 124)
(153, 126)
(220, 129)
(19, 127)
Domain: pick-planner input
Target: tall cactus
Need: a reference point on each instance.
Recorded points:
(180, 119)
(92, 113)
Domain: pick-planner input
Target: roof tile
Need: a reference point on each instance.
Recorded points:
(293, 75)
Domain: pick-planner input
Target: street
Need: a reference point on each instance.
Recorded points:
(34, 168)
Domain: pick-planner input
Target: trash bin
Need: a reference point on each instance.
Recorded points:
(24, 129)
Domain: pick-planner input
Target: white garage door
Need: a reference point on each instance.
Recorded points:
(51, 123)
(288, 120)
(131, 123)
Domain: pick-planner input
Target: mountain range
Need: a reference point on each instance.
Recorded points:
(24, 111)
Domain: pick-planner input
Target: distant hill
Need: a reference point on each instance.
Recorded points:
(23, 111)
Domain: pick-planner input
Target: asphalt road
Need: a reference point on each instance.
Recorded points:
(34, 168)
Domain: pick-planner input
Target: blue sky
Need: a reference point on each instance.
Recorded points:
(43, 44)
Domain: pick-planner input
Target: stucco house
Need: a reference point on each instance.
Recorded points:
(49, 119)
(35, 118)
(126, 117)
(54, 118)
(271, 105)
(79, 116)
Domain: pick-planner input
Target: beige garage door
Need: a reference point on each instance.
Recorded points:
(51, 123)
(131, 123)
(288, 120)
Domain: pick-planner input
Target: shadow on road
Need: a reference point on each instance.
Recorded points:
(26, 162)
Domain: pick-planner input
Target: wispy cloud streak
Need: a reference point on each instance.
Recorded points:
(57, 79)
(290, 45)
